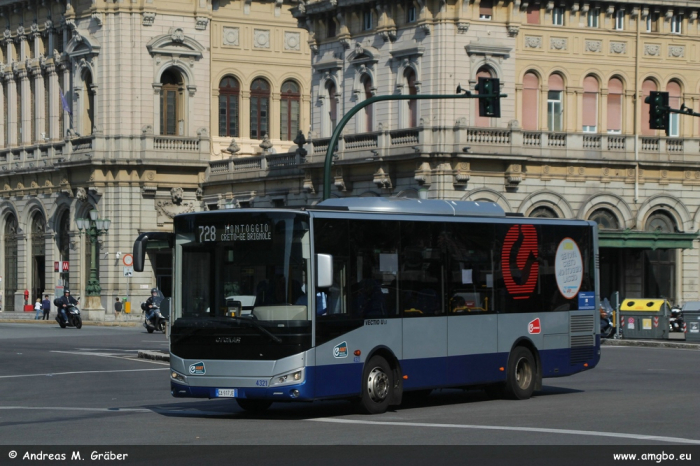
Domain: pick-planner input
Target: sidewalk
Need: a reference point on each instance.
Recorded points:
(127, 320)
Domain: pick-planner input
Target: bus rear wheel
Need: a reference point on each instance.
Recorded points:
(522, 371)
(377, 383)
(253, 406)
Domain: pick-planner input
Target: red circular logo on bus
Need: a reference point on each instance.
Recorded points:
(519, 261)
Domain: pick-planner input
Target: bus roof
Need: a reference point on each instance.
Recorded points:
(399, 205)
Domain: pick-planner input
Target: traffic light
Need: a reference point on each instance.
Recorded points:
(659, 117)
(489, 106)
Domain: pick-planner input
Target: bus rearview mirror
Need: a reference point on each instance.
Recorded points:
(324, 270)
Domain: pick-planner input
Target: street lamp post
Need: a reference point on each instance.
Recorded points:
(94, 227)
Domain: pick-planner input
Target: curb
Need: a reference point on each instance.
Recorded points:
(154, 355)
(651, 344)
(85, 322)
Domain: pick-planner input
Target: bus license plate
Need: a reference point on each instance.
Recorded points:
(226, 393)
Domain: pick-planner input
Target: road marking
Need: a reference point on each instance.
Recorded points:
(107, 410)
(51, 374)
(107, 355)
(517, 429)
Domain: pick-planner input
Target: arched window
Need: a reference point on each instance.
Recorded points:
(229, 91)
(615, 91)
(674, 101)
(10, 240)
(332, 107)
(590, 105)
(647, 86)
(38, 255)
(660, 221)
(289, 111)
(367, 86)
(171, 103)
(259, 108)
(605, 219)
(88, 105)
(660, 264)
(555, 103)
(543, 212)
(412, 105)
(531, 92)
(479, 120)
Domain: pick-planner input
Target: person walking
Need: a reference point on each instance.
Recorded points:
(38, 309)
(46, 307)
(117, 309)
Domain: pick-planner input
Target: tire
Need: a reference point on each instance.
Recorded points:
(253, 406)
(607, 332)
(161, 326)
(149, 329)
(377, 383)
(77, 322)
(522, 374)
(62, 324)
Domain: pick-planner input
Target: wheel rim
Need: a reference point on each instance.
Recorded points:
(378, 385)
(523, 373)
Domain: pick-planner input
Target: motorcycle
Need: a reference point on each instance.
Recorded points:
(72, 313)
(676, 322)
(157, 321)
(607, 329)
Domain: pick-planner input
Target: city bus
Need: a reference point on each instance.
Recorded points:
(374, 299)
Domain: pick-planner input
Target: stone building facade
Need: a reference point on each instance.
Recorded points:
(115, 107)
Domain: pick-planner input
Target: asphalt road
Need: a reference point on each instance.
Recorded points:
(89, 384)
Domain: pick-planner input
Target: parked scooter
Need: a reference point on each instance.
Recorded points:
(154, 319)
(676, 322)
(72, 313)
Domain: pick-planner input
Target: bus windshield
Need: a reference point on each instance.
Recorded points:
(244, 280)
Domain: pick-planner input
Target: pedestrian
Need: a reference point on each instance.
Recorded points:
(117, 309)
(38, 309)
(46, 307)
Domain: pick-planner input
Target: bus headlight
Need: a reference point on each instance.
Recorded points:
(296, 376)
(178, 377)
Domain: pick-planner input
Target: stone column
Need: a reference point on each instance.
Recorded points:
(53, 106)
(11, 109)
(25, 103)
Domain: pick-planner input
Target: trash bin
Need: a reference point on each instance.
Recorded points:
(644, 318)
(691, 316)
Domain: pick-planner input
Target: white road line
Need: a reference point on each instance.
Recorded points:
(106, 410)
(107, 355)
(516, 429)
(51, 374)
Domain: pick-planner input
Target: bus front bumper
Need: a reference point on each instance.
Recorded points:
(302, 391)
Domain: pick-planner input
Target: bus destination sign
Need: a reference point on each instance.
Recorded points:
(235, 233)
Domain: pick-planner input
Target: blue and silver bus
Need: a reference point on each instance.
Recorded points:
(372, 299)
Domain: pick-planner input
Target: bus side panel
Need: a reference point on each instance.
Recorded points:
(473, 350)
(424, 352)
(339, 371)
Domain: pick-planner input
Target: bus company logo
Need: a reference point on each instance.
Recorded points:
(534, 327)
(341, 350)
(197, 368)
(519, 261)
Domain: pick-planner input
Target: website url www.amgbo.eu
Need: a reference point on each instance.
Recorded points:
(655, 457)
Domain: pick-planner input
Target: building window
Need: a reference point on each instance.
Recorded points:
(411, 13)
(593, 17)
(674, 101)
(289, 111)
(533, 13)
(331, 28)
(555, 107)
(332, 107)
(558, 16)
(676, 24)
(171, 95)
(652, 22)
(615, 106)
(590, 104)
(480, 121)
(367, 23)
(543, 212)
(531, 92)
(660, 264)
(486, 10)
(647, 86)
(259, 109)
(412, 105)
(620, 20)
(367, 86)
(229, 90)
(605, 219)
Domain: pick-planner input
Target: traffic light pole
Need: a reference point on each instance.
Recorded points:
(684, 111)
(336, 133)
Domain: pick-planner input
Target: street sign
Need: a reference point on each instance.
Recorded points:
(128, 260)
(55, 266)
(64, 266)
(128, 271)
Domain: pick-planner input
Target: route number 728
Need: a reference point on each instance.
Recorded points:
(207, 234)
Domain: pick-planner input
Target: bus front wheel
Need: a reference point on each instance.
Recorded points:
(522, 370)
(377, 383)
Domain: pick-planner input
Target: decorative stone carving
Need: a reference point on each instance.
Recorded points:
(81, 194)
(176, 195)
(167, 210)
(388, 35)
(557, 43)
(676, 51)
(514, 176)
(619, 48)
(308, 185)
(233, 147)
(513, 30)
(261, 38)
(381, 179)
(292, 41)
(463, 27)
(149, 18)
(231, 36)
(201, 23)
(98, 18)
(422, 175)
(652, 50)
(178, 35)
(533, 42)
(266, 145)
(462, 175)
(593, 46)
